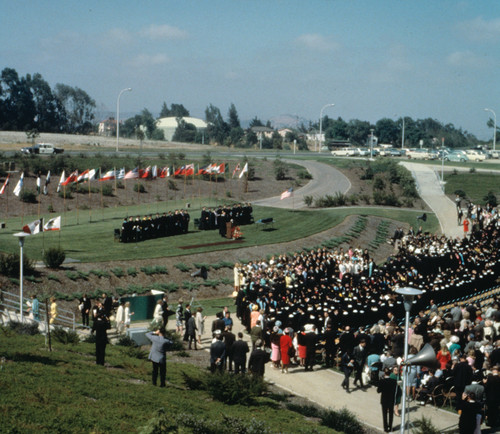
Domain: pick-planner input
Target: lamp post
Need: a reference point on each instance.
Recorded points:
(494, 126)
(21, 236)
(408, 296)
(321, 124)
(128, 89)
(403, 135)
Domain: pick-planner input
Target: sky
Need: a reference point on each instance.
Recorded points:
(371, 58)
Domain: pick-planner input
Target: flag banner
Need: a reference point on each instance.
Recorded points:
(53, 224)
(189, 170)
(286, 193)
(91, 175)
(221, 168)
(46, 185)
(164, 173)
(5, 184)
(202, 170)
(33, 227)
(245, 169)
(71, 178)
(83, 176)
(154, 172)
(38, 184)
(236, 169)
(108, 176)
(145, 173)
(132, 174)
(19, 185)
(61, 180)
(121, 173)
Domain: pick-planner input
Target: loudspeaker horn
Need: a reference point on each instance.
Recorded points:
(422, 217)
(425, 357)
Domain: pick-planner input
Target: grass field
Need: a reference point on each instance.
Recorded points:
(65, 391)
(475, 185)
(93, 241)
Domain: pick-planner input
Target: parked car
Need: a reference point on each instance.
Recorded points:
(421, 154)
(459, 156)
(363, 152)
(344, 152)
(494, 154)
(475, 155)
(42, 148)
(393, 152)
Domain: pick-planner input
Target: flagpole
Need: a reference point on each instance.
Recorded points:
(90, 203)
(126, 194)
(199, 184)
(38, 188)
(102, 204)
(76, 194)
(116, 185)
(64, 203)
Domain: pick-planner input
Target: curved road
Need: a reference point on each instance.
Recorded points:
(325, 180)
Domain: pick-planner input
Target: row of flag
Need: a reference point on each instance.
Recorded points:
(37, 226)
(151, 172)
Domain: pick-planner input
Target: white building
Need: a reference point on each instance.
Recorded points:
(169, 125)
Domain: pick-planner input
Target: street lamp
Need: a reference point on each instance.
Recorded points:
(21, 236)
(128, 89)
(403, 135)
(494, 126)
(321, 123)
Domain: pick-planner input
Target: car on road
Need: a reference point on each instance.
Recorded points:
(42, 148)
(494, 154)
(363, 152)
(421, 154)
(475, 155)
(344, 152)
(393, 152)
(457, 156)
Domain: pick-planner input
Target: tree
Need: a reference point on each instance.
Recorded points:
(233, 120)
(17, 108)
(176, 110)
(50, 114)
(251, 139)
(236, 135)
(387, 131)
(79, 108)
(358, 131)
(217, 129)
(336, 129)
(256, 122)
(185, 132)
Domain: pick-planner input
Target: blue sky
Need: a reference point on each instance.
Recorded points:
(372, 59)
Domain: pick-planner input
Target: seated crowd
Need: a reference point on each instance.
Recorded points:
(314, 300)
(138, 228)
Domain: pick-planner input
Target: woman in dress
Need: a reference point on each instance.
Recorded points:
(254, 315)
(157, 314)
(127, 314)
(120, 318)
(285, 345)
(53, 310)
(301, 347)
(275, 346)
(200, 324)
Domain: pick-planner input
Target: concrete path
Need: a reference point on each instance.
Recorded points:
(431, 191)
(325, 180)
(322, 386)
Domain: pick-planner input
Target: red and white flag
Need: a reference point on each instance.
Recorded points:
(108, 176)
(19, 185)
(83, 176)
(53, 224)
(236, 169)
(132, 174)
(146, 173)
(5, 184)
(286, 193)
(71, 178)
(33, 227)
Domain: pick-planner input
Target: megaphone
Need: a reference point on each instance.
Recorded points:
(425, 357)
(422, 217)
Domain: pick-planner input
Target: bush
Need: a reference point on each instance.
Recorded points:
(280, 170)
(460, 193)
(182, 267)
(139, 188)
(54, 257)
(235, 389)
(65, 336)
(490, 199)
(9, 265)
(342, 420)
(126, 341)
(424, 426)
(308, 200)
(28, 196)
(304, 174)
(107, 190)
(24, 328)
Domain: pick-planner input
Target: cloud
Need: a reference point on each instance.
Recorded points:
(480, 29)
(465, 59)
(143, 60)
(316, 42)
(119, 36)
(164, 31)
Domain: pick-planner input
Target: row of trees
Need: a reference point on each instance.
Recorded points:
(28, 103)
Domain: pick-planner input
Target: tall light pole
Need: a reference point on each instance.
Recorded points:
(321, 124)
(494, 126)
(128, 89)
(21, 236)
(403, 134)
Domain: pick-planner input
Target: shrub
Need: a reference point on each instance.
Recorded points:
(54, 257)
(63, 193)
(107, 190)
(460, 193)
(490, 199)
(24, 328)
(182, 267)
(472, 170)
(304, 174)
(280, 169)
(139, 188)
(126, 341)
(235, 389)
(54, 278)
(342, 420)
(65, 336)
(308, 200)
(118, 272)
(305, 410)
(132, 271)
(172, 185)
(424, 426)
(9, 265)
(28, 196)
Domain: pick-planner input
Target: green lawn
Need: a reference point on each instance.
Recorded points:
(94, 242)
(65, 391)
(475, 185)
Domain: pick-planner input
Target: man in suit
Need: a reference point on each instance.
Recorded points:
(492, 392)
(187, 315)
(157, 355)
(387, 389)
(100, 327)
(86, 306)
(217, 353)
(310, 342)
(240, 350)
(359, 355)
(258, 359)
